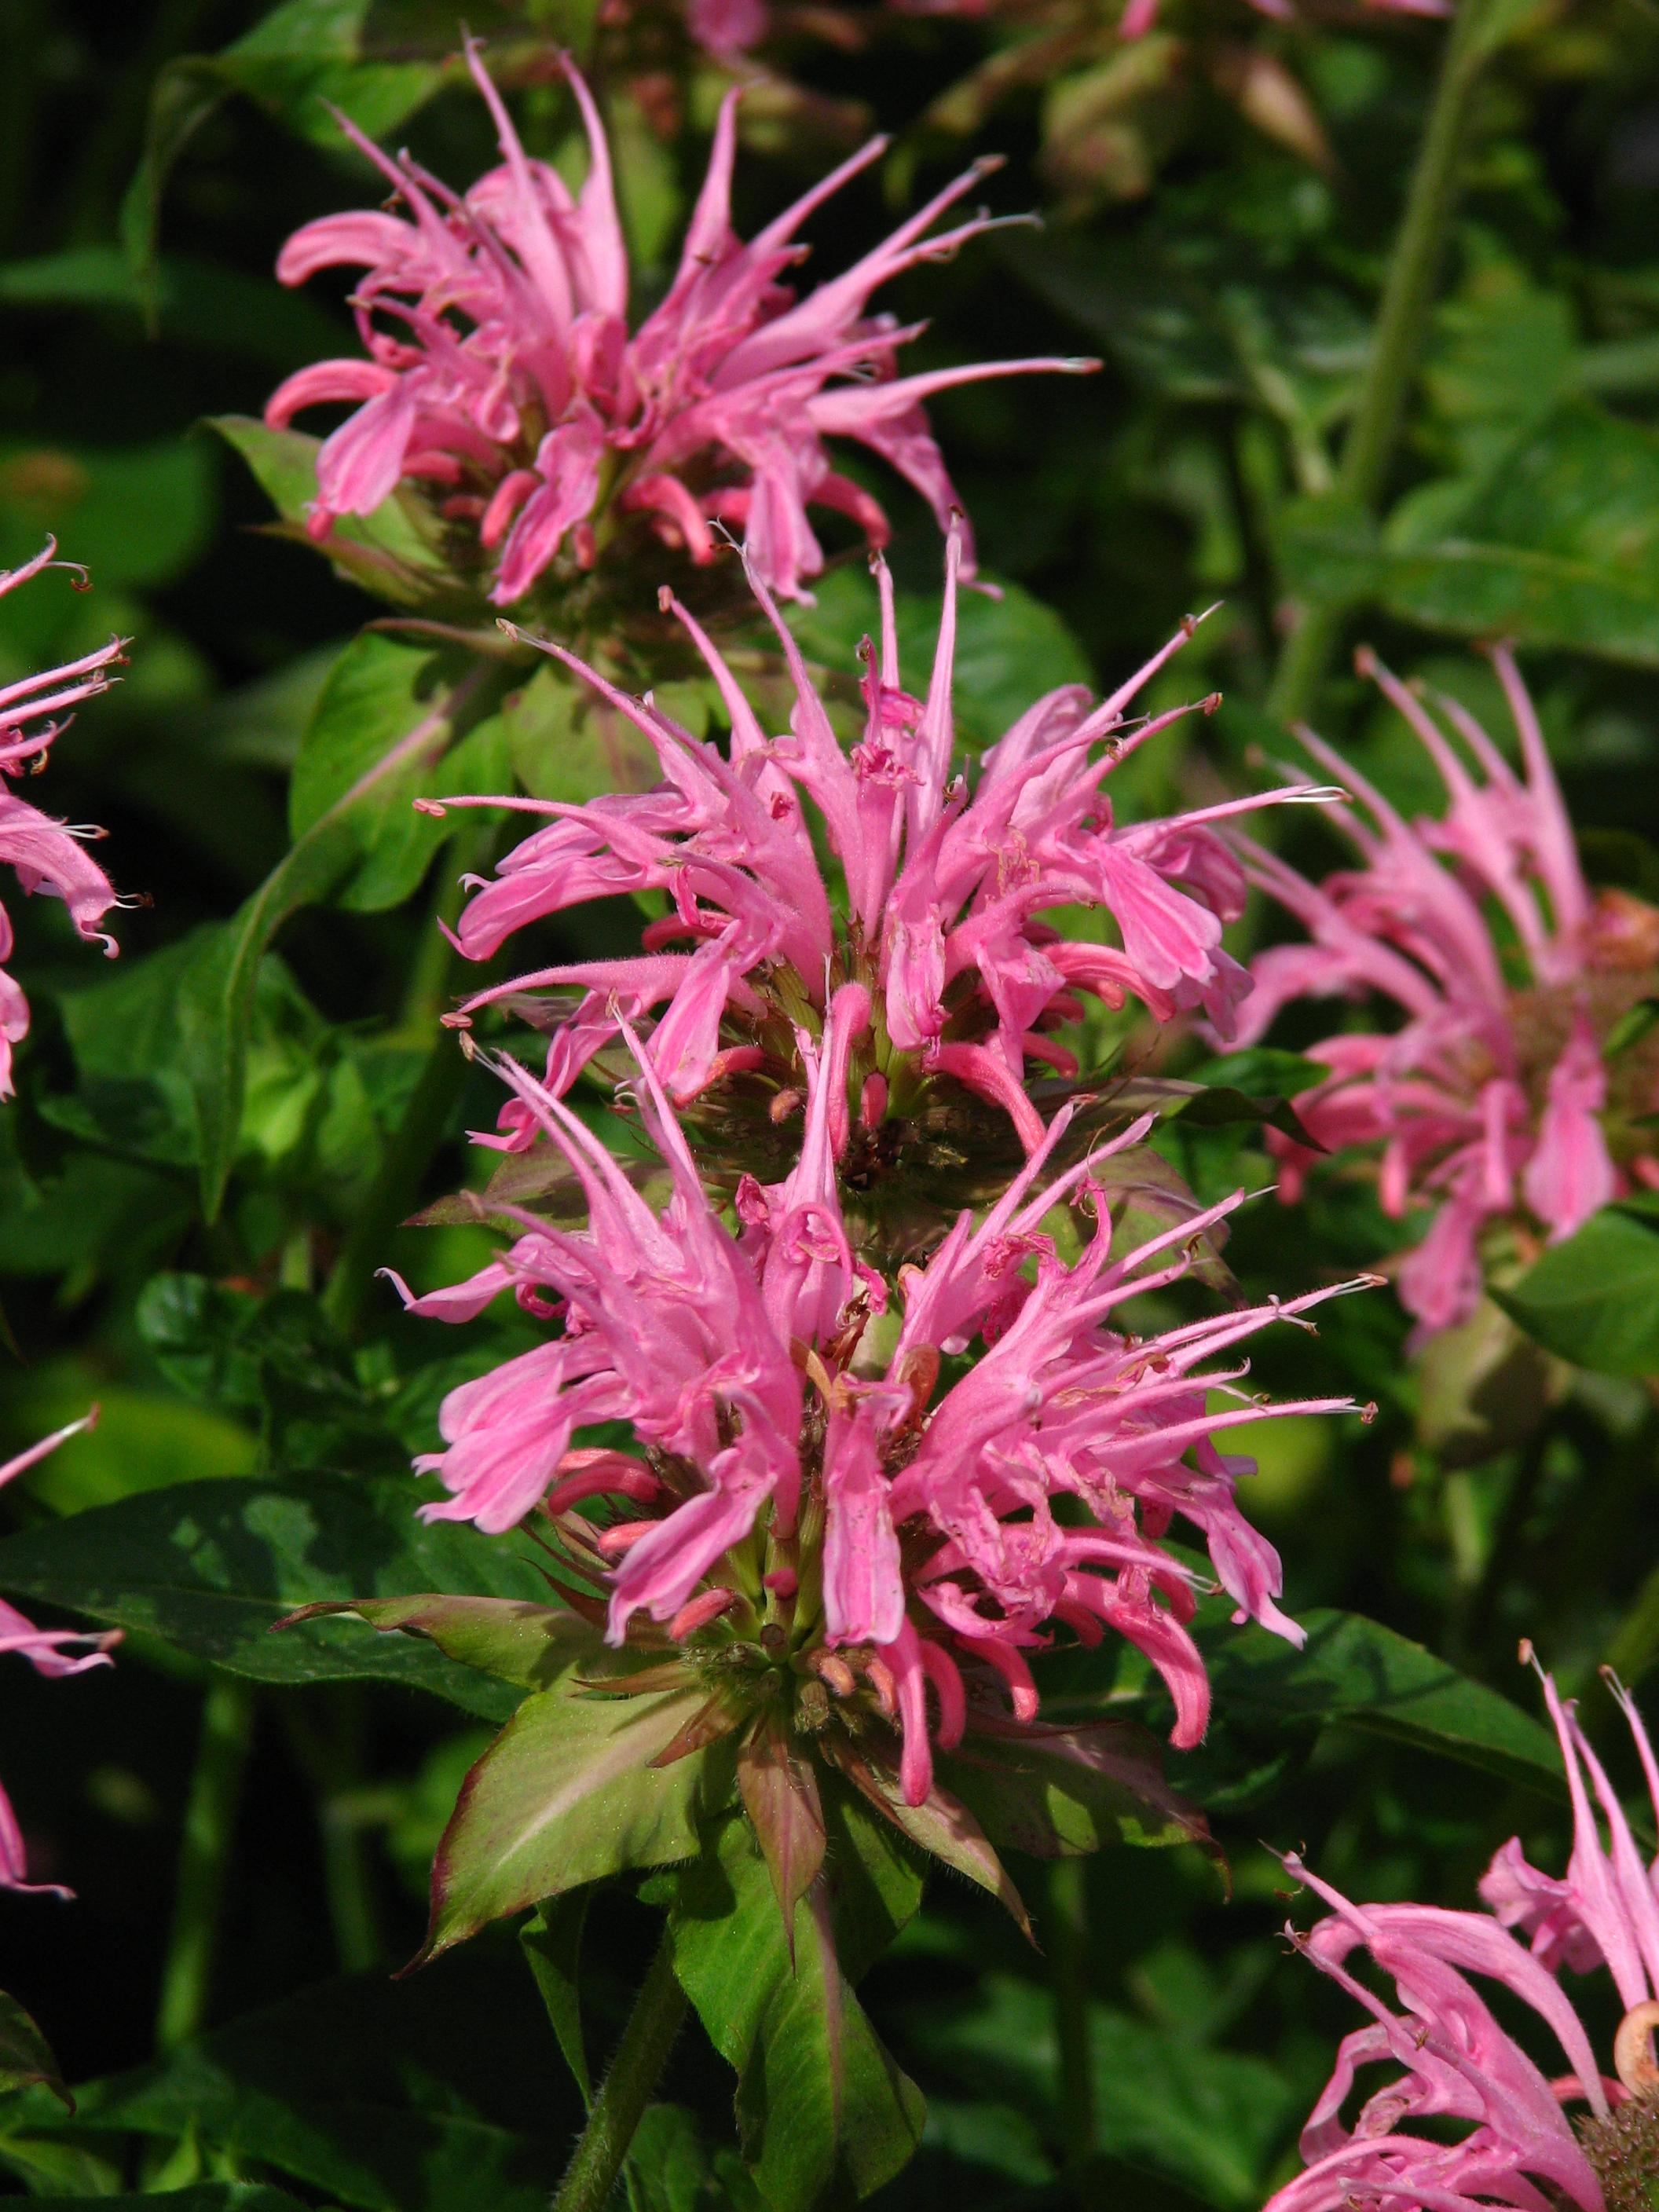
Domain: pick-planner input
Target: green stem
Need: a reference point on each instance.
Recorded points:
(1068, 1918)
(658, 2011)
(204, 1861)
(397, 1183)
(327, 1731)
(1397, 342)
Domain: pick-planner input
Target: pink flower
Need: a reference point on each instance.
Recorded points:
(44, 1649)
(47, 855)
(936, 908)
(1494, 1097)
(909, 1533)
(1452, 2062)
(501, 373)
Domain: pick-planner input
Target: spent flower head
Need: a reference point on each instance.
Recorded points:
(1510, 1092)
(500, 374)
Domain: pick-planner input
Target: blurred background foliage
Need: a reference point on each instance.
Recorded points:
(1223, 202)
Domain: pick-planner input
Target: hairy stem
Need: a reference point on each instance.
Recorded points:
(204, 1861)
(1397, 342)
(1068, 1917)
(655, 2020)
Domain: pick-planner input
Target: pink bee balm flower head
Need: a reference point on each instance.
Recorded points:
(1501, 1098)
(501, 373)
(935, 905)
(47, 1651)
(804, 1483)
(48, 856)
(1531, 2135)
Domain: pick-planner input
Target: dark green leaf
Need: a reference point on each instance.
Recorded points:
(430, 2096)
(1054, 1792)
(26, 2057)
(566, 1794)
(552, 1940)
(1359, 1673)
(1208, 2121)
(211, 1567)
(823, 2111)
(197, 303)
(1595, 1297)
(943, 1827)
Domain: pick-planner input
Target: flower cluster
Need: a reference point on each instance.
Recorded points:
(935, 908)
(500, 371)
(1514, 1088)
(47, 855)
(47, 1652)
(812, 1465)
(1530, 2135)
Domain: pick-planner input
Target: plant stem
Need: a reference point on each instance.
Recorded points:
(397, 1181)
(327, 1733)
(647, 2041)
(1068, 1916)
(1397, 342)
(203, 1861)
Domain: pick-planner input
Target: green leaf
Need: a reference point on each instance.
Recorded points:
(823, 2113)
(668, 2166)
(509, 1638)
(1556, 545)
(394, 552)
(184, 95)
(216, 993)
(1356, 1671)
(1594, 1298)
(1057, 1792)
(1208, 2121)
(296, 62)
(433, 2095)
(566, 1794)
(942, 1826)
(385, 728)
(211, 1567)
(26, 2057)
(552, 1940)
